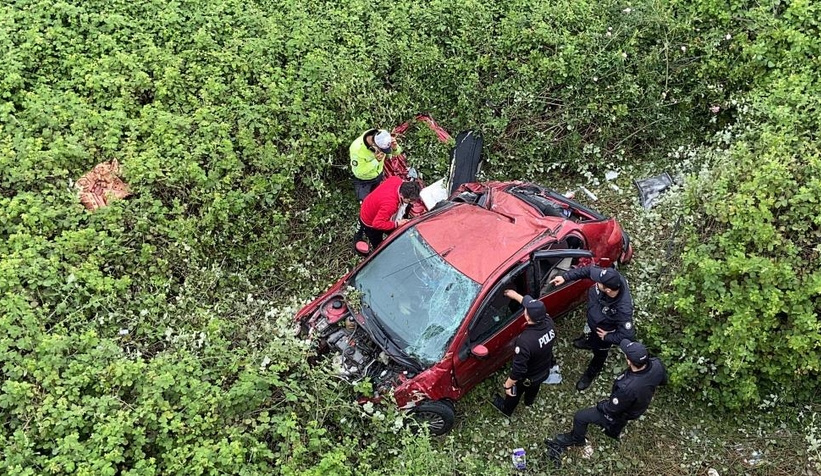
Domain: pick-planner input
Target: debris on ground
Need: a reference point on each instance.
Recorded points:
(102, 185)
(651, 188)
(589, 194)
(555, 376)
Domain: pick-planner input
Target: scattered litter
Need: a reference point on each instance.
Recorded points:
(102, 185)
(555, 376)
(614, 186)
(754, 459)
(651, 188)
(587, 452)
(123, 332)
(611, 175)
(712, 472)
(519, 461)
(588, 193)
(434, 193)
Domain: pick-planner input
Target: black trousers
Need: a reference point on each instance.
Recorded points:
(600, 351)
(363, 187)
(374, 236)
(583, 418)
(529, 392)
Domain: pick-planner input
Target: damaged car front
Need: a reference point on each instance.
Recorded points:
(391, 320)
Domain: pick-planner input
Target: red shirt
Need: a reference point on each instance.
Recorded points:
(381, 204)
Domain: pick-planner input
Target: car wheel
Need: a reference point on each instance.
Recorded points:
(438, 416)
(627, 249)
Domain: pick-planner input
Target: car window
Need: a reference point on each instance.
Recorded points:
(417, 296)
(549, 268)
(498, 310)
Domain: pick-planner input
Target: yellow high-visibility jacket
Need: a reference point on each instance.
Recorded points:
(364, 163)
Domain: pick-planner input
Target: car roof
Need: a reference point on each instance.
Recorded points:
(476, 240)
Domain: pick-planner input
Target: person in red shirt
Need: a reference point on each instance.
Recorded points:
(377, 214)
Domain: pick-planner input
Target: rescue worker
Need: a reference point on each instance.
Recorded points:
(609, 316)
(533, 355)
(632, 393)
(379, 211)
(367, 155)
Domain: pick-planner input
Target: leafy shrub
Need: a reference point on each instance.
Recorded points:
(746, 328)
(143, 338)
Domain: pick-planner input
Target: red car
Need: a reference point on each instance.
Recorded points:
(425, 317)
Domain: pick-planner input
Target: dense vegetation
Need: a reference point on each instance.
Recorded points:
(152, 336)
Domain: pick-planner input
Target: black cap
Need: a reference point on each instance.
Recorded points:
(535, 309)
(609, 277)
(636, 352)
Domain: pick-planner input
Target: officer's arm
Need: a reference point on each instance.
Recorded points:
(578, 273)
(619, 402)
(664, 378)
(520, 359)
(625, 329)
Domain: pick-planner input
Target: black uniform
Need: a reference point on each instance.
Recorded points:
(532, 362)
(609, 314)
(629, 399)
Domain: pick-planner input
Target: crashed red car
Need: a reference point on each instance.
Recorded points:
(425, 317)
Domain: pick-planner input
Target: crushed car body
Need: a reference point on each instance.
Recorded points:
(424, 317)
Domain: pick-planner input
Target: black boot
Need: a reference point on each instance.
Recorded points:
(581, 342)
(566, 440)
(586, 379)
(554, 452)
(499, 404)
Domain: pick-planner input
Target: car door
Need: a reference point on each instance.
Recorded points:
(495, 326)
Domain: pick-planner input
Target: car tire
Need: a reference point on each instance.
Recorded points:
(438, 416)
(627, 250)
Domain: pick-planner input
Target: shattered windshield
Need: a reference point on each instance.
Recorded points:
(417, 296)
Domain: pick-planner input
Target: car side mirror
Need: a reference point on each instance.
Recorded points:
(479, 351)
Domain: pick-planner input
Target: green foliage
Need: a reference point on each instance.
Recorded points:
(151, 336)
(748, 291)
(748, 295)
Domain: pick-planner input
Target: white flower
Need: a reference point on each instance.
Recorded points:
(609, 33)
(627, 10)
(595, 78)
(684, 49)
(715, 109)
(624, 55)
(728, 37)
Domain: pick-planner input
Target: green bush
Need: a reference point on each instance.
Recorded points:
(144, 338)
(745, 327)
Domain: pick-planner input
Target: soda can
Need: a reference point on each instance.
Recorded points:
(519, 458)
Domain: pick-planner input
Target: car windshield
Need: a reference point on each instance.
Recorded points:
(417, 296)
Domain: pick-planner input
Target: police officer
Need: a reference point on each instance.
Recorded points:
(609, 315)
(631, 395)
(533, 356)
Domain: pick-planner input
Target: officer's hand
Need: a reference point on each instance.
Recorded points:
(601, 332)
(557, 281)
(380, 156)
(402, 222)
(394, 145)
(512, 294)
(509, 392)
